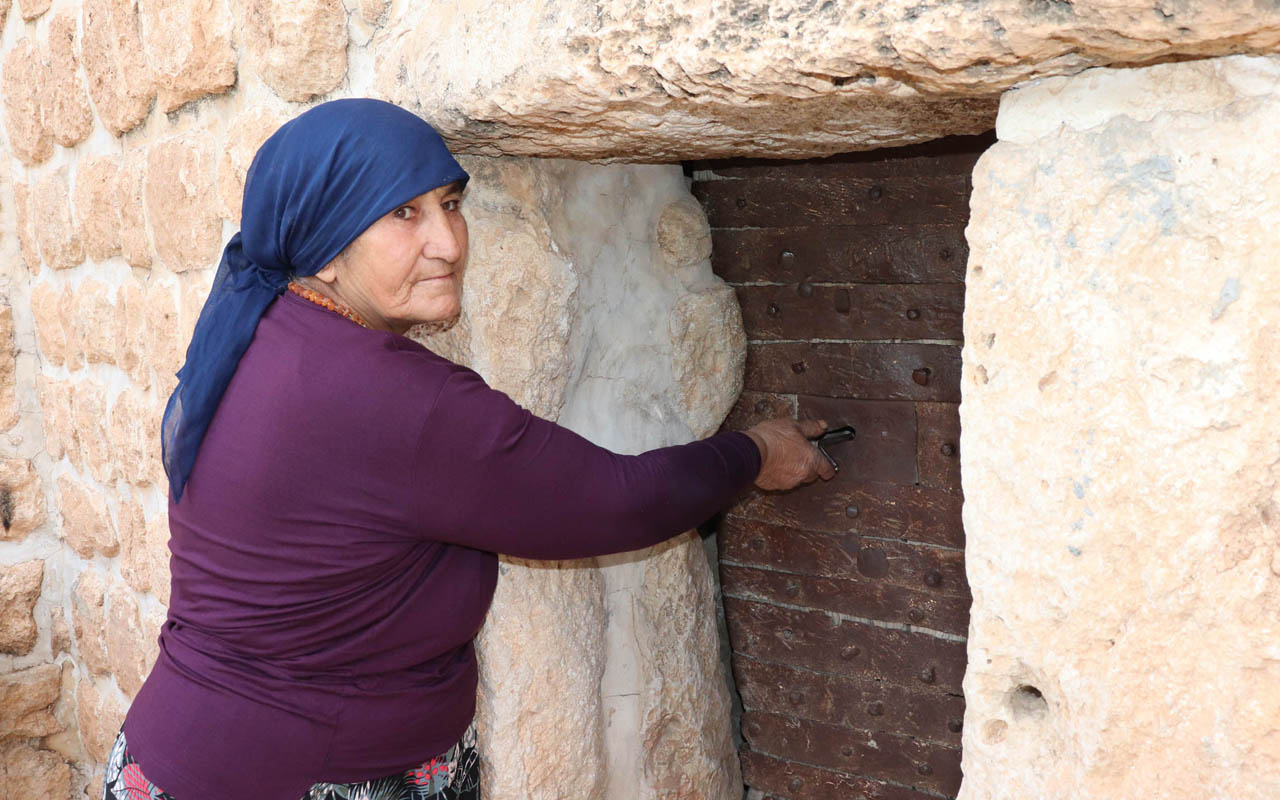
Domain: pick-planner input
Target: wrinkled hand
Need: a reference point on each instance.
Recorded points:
(787, 457)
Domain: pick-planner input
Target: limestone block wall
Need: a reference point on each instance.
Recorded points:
(1121, 462)
(128, 126)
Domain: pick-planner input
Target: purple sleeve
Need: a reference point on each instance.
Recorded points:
(492, 476)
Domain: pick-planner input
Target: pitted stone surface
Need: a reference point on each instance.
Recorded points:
(26, 227)
(68, 114)
(702, 78)
(300, 45)
(126, 643)
(25, 81)
(95, 198)
(188, 45)
(26, 701)
(8, 371)
(135, 244)
(31, 9)
(181, 204)
(85, 524)
(246, 135)
(29, 772)
(710, 348)
(1121, 468)
(95, 313)
(120, 81)
(19, 590)
(25, 509)
(89, 406)
(46, 301)
(56, 231)
(88, 616)
(99, 714)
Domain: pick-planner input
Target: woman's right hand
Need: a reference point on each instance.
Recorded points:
(787, 457)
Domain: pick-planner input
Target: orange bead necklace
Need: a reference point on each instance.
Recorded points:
(320, 300)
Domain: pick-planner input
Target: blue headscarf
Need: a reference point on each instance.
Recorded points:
(313, 187)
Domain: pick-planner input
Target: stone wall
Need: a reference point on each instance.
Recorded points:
(1119, 415)
(129, 128)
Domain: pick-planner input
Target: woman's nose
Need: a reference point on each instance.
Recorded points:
(441, 238)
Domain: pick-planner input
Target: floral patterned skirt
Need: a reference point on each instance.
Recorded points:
(453, 775)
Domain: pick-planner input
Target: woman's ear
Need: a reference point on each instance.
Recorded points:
(329, 272)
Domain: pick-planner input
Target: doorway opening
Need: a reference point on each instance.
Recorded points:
(846, 603)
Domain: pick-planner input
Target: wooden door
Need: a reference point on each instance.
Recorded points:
(846, 602)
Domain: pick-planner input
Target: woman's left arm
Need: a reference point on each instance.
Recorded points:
(491, 475)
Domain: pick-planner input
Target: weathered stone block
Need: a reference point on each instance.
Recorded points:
(67, 114)
(131, 334)
(300, 45)
(59, 634)
(374, 12)
(132, 436)
(89, 411)
(188, 45)
(21, 501)
(85, 524)
(246, 135)
(94, 321)
(96, 197)
(1120, 461)
(19, 590)
(181, 204)
(99, 715)
(8, 371)
(55, 411)
(87, 619)
(126, 642)
(31, 9)
(26, 227)
(135, 243)
(74, 350)
(46, 303)
(24, 83)
(709, 351)
(28, 772)
(120, 81)
(163, 330)
(56, 231)
(157, 549)
(26, 701)
(686, 78)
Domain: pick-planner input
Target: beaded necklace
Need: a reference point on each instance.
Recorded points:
(320, 300)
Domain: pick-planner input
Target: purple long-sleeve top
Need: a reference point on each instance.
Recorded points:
(333, 555)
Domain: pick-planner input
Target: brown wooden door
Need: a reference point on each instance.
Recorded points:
(846, 602)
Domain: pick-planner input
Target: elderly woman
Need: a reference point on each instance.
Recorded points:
(339, 493)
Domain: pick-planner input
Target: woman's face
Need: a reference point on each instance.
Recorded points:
(407, 267)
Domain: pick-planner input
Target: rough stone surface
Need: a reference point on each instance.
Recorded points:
(120, 82)
(88, 618)
(300, 45)
(26, 226)
(68, 114)
(89, 412)
(27, 772)
(31, 9)
(163, 350)
(188, 45)
(26, 701)
(85, 524)
(1121, 468)
(158, 553)
(99, 714)
(710, 348)
(56, 231)
(641, 722)
(8, 371)
(126, 642)
(95, 315)
(55, 412)
(46, 303)
(135, 244)
(374, 12)
(697, 78)
(97, 206)
(21, 499)
(243, 139)
(24, 82)
(181, 203)
(133, 442)
(59, 633)
(19, 590)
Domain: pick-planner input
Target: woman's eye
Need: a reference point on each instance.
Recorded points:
(453, 205)
(403, 212)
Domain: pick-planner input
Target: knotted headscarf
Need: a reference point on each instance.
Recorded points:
(314, 186)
